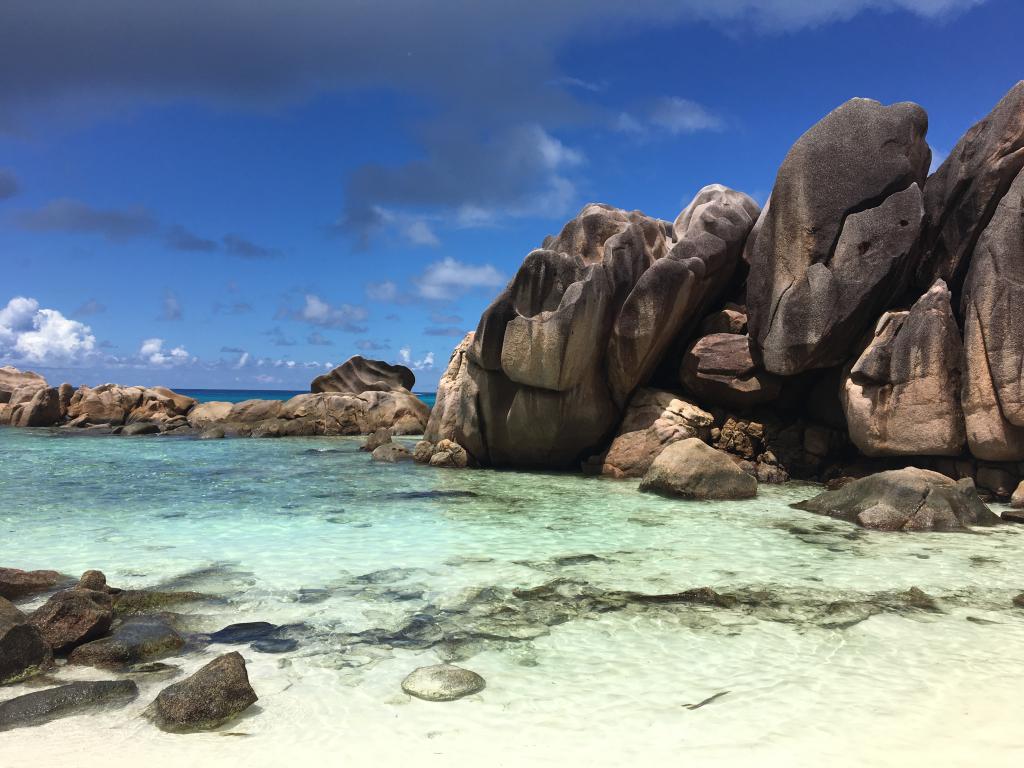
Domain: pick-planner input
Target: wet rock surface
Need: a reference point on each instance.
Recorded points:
(23, 651)
(15, 583)
(136, 640)
(65, 700)
(212, 696)
(73, 617)
(442, 682)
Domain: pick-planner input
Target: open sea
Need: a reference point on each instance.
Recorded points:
(535, 581)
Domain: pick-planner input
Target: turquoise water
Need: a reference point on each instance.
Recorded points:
(240, 395)
(390, 567)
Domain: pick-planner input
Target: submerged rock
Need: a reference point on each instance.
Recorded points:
(908, 499)
(692, 469)
(15, 583)
(43, 706)
(391, 453)
(140, 428)
(442, 682)
(212, 696)
(23, 651)
(379, 437)
(244, 632)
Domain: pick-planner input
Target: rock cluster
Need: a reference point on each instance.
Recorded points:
(358, 397)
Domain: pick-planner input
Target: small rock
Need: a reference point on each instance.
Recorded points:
(15, 583)
(140, 639)
(140, 428)
(448, 453)
(691, 469)
(376, 439)
(23, 651)
(53, 703)
(1018, 601)
(918, 598)
(73, 617)
(244, 632)
(94, 580)
(391, 453)
(1013, 516)
(442, 682)
(274, 645)
(422, 452)
(209, 698)
(154, 670)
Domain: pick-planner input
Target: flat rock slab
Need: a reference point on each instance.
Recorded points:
(65, 700)
(1013, 516)
(442, 682)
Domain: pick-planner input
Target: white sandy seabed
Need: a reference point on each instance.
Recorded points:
(274, 518)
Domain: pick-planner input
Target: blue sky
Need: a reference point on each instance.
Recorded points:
(236, 194)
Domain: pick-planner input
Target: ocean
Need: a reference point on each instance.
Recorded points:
(536, 582)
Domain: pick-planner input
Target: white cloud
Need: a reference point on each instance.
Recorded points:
(152, 352)
(426, 364)
(385, 290)
(316, 311)
(677, 115)
(42, 336)
(449, 279)
(405, 354)
(242, 360)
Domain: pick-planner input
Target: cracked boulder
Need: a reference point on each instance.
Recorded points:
(960, 198)
(993, 389)
(833, 249)
(908, 499)
(902, 395)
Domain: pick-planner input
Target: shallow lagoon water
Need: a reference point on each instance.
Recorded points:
(390, 567)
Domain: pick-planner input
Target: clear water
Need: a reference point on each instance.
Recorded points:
(823, 662)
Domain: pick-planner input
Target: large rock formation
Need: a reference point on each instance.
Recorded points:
(902, 396)
(720, 370)
(993, 391)
(586, 320)
(41, 409)
(654, 419)
(12, 379)
(357, 375)
(834, 246)
(905, 500)
(961, 196)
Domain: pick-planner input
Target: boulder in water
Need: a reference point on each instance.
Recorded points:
(207, 699)
(73, 617)
(692, 469)
(442, 682)
(43, 706)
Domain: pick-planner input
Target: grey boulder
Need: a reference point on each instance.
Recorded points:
(207, 699)
(908, 499)
(442, 682)
(692, 469)
(63, 701)
(358, 374)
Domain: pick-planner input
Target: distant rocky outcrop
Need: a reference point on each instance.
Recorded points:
(357, 374)
(835, 245)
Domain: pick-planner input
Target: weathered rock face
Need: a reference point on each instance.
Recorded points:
(961, 196)
(692, 469)
(391, 453)
(106, 404)
(330, 414)
(586, 320)
(833, 249)
(43, 706)
(730, 319)
(720, 370)
(442, 682)
(212, 696)
(15, 583)
(23, 651)
(357, 374)
(33, 407)
(73, 617)
(993, 390)
(905, 500)
(901, 397)
(205, 414)
(654, 419)
(160, 406)
(12, 379)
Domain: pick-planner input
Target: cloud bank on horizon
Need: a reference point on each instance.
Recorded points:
(384, 164)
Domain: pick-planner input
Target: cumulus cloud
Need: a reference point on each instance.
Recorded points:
(425, 363)
(152, 352)
(346, 317)
(448, 279)
(8, 184)
(42, 336)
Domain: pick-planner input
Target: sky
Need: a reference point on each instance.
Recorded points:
(234, 194)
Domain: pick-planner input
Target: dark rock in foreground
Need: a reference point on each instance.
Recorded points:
(442, 682)
(73, 617)
(692, 469)
(209, 698)
(23, 651)
(904, 500)
(43, 706)
(139, 639)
